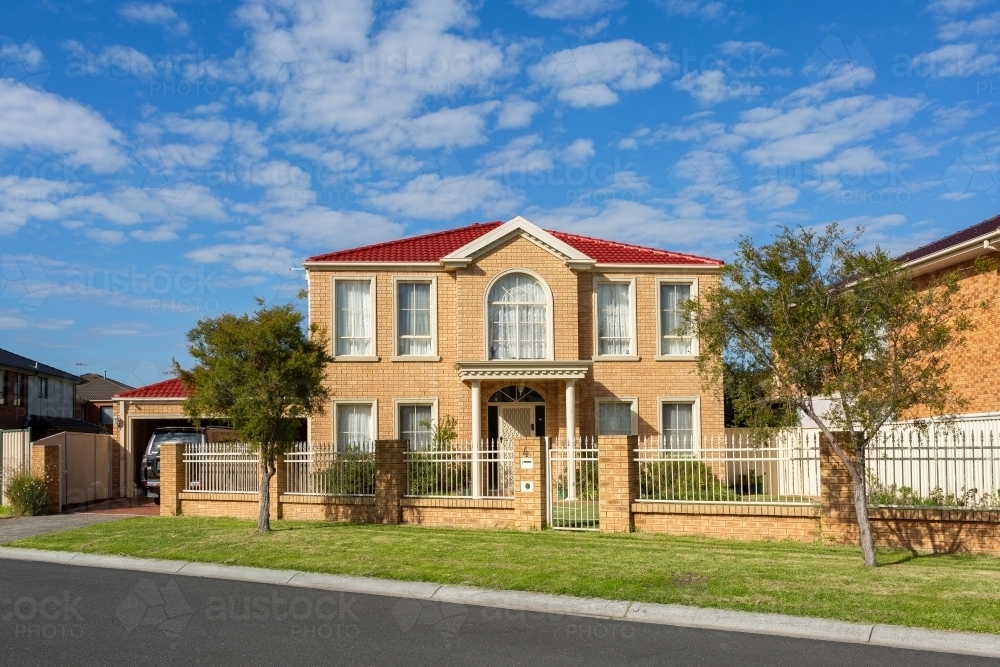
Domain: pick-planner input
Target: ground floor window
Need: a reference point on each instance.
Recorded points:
(355, 426)
(415, 425)
(677, 425)
(616, 417)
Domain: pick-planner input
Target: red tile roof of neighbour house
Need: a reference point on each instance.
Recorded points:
(435, 246)
(958, 238)
(172, 388)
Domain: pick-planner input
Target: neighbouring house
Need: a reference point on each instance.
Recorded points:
(514, 331)
(975, 366)
(95, 399)
(29, 387)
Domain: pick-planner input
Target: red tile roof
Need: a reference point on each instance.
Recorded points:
(958, 238)
(172, 388)
(433, 247)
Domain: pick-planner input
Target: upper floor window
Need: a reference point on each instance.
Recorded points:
(675, 340)
(353, 324)
(414, 318)
(518, 318)
(3, 387)
(43, 387)
(615, 319)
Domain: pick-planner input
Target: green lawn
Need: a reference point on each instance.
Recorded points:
(5, 511)
(946, 592)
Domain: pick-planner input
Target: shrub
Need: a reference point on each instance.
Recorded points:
(681, 480)
(26, 494)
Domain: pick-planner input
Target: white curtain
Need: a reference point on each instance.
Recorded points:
(414, 318)
(414, 425)
(614, 419)
(518, 318)
(678, 426)
(354, 427)
(672, 299)
(614, 319)
(354, 317)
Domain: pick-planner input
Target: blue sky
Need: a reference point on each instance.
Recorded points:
(162, 162)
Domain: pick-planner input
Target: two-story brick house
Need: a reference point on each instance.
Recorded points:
(513, 331)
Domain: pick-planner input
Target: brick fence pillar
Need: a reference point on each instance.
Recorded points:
(838, 518)
(278, 485)
(619, 481)
(45, 461)
(390, 480)
(172, 478)
(529, 483)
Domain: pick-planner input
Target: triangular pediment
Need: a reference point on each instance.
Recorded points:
(515, 227)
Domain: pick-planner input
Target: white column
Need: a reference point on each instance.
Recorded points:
(477, 436)
(571, 440)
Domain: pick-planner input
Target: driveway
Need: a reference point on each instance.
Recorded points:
(29, 526)
(117, 617)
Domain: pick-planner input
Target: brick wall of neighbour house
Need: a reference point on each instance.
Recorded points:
(975, 365)
(461, 333)
(13, 413)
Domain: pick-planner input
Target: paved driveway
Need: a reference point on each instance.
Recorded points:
(17, 529)
(95, 616)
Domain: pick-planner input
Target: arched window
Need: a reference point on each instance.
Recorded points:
(518, 318)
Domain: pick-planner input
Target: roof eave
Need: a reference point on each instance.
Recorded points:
(955, 254)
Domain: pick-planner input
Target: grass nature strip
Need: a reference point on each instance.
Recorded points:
(948, 592)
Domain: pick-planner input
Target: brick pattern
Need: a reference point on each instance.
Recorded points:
(459, 512)
(390, 480)
(619, 482)
(45, 464)
(172, 479)
(529, 505)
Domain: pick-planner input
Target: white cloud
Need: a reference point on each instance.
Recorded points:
(155, 14)
(977, 28)
(711, 87)
(33, 119)
(628, 144)
(570, 9)
(589, 76)
(853, 164)
(516, 112)
(578, 152)
(115, 62)
(435, 196)
(705, 9)
(106, 236)
(955, 61)
(954, 6)
(247, 257)
(523, 155)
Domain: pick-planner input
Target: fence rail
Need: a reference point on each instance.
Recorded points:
(735, 468)
(573, 493)
(319, 469)
(939, 465)
(458, 469)
(221, 468)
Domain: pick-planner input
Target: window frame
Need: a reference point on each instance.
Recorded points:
(43, 388)
(633, 320)
(398, 403)
(695, 403)
(20, 388)
(3, 386)
(549, 315)
(432, 281)
(693, 283)
(373, 301)
(373, 402)
(633, 400)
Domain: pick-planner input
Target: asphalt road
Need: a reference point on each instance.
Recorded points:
(63, 614)
(29, 526)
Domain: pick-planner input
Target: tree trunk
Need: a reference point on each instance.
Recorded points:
(864, 526)
(264, 517)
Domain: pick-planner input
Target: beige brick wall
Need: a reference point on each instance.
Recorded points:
(460, 336)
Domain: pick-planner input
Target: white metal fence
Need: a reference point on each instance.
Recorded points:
(573, 484)
(319, 469)
(458, 469)
(15, 456)
(734, 468)
(221, 468)
(953, 464)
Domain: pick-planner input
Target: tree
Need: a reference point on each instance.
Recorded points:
(263, 373)
(811, 316)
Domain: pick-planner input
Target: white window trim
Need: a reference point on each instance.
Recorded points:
(693, 282)
(397, 403)
(549, 315)
(396, 356)
(360, 401)
(695, 401)
(633, 428)
(634, 344)
(333, 319)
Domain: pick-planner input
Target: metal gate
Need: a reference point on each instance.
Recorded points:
(572, 496)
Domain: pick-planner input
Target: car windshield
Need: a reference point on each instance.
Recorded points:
(186, 437)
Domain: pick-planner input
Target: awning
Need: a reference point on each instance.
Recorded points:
(522, 370)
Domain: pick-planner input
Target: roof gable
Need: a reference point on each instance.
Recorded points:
(517, 226)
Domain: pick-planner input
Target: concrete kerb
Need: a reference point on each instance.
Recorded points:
(642, 612)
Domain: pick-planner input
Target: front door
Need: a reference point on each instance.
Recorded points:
(516, 421)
